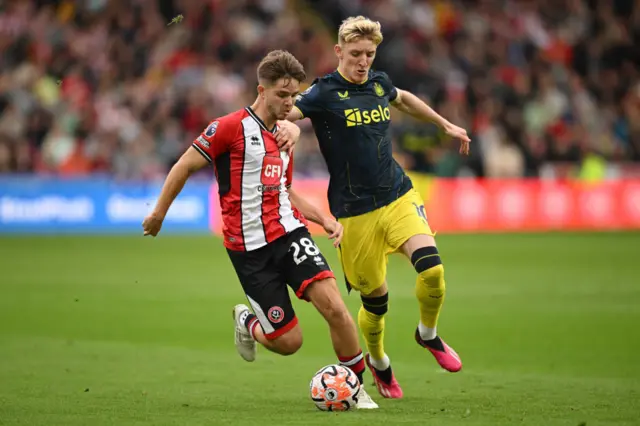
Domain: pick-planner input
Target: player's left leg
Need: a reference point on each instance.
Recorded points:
(325, 297)
(310, 277)
(411, 233)
(430, 292)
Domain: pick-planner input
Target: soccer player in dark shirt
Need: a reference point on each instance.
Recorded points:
(372, 196)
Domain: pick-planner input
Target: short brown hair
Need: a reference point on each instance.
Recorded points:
(280, 64)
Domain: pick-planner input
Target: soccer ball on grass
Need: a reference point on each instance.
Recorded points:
(335, 388)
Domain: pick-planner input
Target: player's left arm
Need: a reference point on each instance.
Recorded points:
(316, 215)
(311, 211)
(410, 104)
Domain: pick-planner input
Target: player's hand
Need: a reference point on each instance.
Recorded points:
(458, 133)
(334, 229)
(287, 135)
(151, 224)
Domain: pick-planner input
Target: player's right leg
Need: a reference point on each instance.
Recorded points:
(249, 330)
(273, 322)
(363, 255)
(371, 322)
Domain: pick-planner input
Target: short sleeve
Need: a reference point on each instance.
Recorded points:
(214, 140)
(309, 102)
(388, 87)
(289, 173)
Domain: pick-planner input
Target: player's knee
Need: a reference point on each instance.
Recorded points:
(428, 265)
(289, 343)
(378, 305)
(290, 347)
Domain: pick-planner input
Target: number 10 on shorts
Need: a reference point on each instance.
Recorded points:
(308, 249)
(421, 212)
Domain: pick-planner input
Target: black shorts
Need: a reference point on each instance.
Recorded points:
(292, 259)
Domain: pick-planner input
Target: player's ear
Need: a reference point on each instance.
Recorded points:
(261, 90)
(338, 50)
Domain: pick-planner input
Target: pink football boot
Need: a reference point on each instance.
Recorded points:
(387, 390)
(446, 357)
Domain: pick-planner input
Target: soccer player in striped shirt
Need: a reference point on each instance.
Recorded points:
(265, 219)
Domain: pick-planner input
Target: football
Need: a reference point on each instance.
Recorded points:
(335, 388)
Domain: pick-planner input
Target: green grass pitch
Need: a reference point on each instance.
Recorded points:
(138, 331)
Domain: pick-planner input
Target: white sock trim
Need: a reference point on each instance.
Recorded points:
(380, 364)
(356, 359)
(427, 333)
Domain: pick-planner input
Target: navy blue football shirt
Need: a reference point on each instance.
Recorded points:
(352, 124)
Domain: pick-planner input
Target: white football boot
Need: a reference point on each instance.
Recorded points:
(364, 401)
(245, 344)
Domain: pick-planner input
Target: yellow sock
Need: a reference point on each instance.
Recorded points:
(372, 327)
(430, 291)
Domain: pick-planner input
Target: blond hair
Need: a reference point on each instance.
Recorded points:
(356, 28)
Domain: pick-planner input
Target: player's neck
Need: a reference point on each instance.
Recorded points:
(344, 75)
(260, 110)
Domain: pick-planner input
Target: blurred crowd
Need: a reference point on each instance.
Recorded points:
(123, 86)
(537, 82)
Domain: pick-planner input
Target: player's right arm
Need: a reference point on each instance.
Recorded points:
(205, 148)
(307, 105)
(190, 162)
(295, 115)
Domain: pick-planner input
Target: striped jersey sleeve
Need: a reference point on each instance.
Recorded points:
(214, 140)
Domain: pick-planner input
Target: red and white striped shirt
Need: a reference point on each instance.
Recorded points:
(253, 176)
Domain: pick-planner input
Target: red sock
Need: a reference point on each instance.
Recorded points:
(251, 322)
(355, 363)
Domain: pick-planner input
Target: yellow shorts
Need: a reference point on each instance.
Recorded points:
(369, 239)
